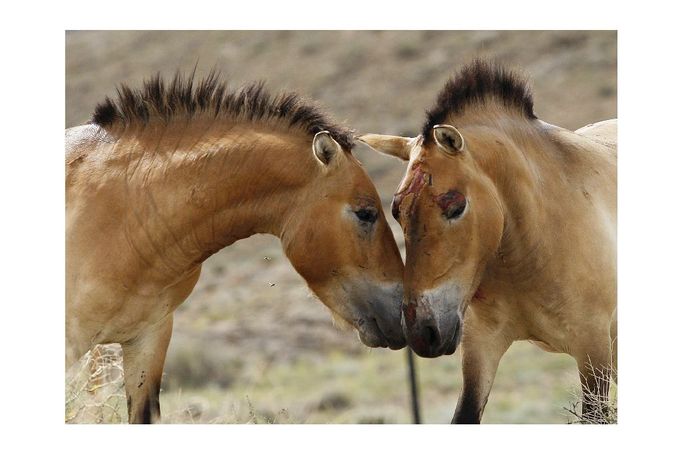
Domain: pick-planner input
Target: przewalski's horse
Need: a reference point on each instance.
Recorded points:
(510, 230)
(167, 175)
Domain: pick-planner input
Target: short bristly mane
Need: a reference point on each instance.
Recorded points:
(186, 97)
(475, 84)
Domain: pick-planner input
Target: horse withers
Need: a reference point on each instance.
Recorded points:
(510, 231)
(165, 176)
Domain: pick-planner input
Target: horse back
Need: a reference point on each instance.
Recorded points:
(605, 132)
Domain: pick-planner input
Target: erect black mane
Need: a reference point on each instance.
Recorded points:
(474, 84)
(186, 97)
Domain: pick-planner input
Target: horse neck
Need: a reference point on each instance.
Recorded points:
(199, 188)
(518, 160)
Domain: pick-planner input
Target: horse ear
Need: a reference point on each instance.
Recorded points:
(397, 146)
(448, 139)
(325, 148)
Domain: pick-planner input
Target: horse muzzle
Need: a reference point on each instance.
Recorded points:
(432, 327)
(381, 326)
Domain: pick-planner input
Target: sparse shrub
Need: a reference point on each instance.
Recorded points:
(334, 401)
(196, 365)
(408, 49)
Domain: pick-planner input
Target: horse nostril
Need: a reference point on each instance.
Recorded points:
(430, 336)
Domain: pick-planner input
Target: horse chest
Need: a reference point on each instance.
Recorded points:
(548, 326)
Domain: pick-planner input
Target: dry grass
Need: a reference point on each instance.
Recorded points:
(369, 387)
(603, 405)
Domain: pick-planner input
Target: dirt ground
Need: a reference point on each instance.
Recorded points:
(251, 344)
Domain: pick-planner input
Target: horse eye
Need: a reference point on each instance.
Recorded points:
(367, 215)
(455, 210)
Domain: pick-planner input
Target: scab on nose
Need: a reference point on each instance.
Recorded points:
(419, 180)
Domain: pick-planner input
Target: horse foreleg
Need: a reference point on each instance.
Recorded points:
(143, 359)
(481, 354)
(595, 367)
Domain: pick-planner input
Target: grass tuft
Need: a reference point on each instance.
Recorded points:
(603, 406)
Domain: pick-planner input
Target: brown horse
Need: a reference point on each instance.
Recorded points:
(165, 176)
(510, 230)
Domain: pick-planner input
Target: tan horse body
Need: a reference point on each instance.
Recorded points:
(151, 194)
(510, 228)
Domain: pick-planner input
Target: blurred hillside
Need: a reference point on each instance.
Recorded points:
(250, 340)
